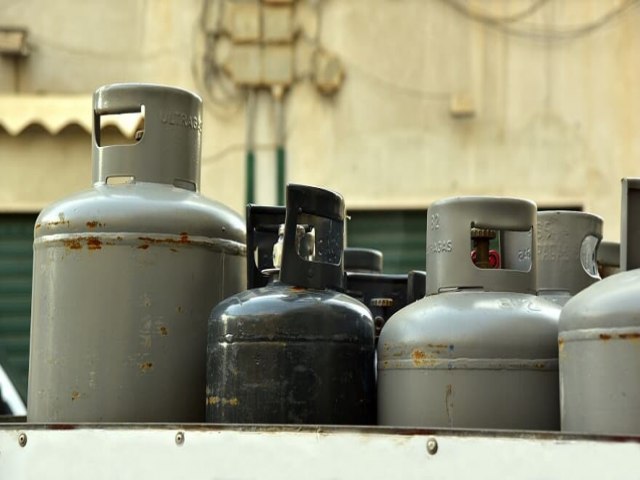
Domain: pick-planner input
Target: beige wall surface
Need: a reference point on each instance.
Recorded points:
(554, 97)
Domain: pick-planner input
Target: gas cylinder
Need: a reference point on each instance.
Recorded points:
(296, 350)
(599, 341)
(567, 246)
(125, 273)
(479, 351)
(363, 260)
(383, 293)
(416, 285)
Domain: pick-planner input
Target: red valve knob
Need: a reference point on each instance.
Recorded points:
(494, 258)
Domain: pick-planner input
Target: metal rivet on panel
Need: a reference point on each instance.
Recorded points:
(432, 446)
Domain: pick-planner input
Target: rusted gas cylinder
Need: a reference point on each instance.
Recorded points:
(125, 274)
(567, 248)
(296, 350)
(479, 351)
(599, 341)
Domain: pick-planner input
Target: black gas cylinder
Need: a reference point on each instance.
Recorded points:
(296, 350)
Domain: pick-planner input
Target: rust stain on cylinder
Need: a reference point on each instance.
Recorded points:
(418, 355)
(630, 336)
(184, 239)
(75, 395)
(94, 243)
(144, 246)
(59, 222)
(146, 366)
(215, 400)
(605, 336)
(421, 358)
(73, 244)
(94, 224)
(448, 403)
(163, 331)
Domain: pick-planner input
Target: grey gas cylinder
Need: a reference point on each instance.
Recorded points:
(479, 351)
(296, 350)
(125, 274)
(567, 248)
(599, 341)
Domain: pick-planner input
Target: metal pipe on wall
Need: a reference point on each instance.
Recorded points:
(278, 92)
(250, 159)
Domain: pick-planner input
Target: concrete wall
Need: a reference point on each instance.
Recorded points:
(555, 119)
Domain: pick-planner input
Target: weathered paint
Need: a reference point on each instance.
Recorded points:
(102, 307)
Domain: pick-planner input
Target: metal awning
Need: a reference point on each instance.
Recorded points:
(55, 112)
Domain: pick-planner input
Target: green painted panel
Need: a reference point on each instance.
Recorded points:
(399, 234)
(16, 263)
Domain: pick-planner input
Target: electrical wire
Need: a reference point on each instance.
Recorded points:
(207, 72)
(511, 18)
(544, 33)
(234, 148)
(398, 87)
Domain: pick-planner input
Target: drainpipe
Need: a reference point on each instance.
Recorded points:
(250, 160)
(281, 153)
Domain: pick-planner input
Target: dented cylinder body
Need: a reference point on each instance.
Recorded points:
(124, 278)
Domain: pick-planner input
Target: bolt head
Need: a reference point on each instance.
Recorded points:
(432, 446)
(179, 438)
(22, 439)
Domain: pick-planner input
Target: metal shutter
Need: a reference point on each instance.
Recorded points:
(399, 234)
(16, 263)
